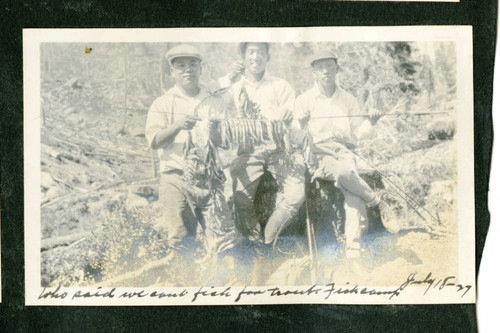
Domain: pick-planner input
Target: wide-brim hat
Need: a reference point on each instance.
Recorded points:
(321, 55)
(183, 50)
(243, 46)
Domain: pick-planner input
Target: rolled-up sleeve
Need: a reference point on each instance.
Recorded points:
(157, 119)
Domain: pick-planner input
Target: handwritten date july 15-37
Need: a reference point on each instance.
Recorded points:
(237, 294)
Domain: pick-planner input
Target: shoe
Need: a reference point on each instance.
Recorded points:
(390, 210)
(388, 216)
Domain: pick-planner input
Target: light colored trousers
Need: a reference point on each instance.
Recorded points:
(181, 221)
(340, 168)
(247, 170)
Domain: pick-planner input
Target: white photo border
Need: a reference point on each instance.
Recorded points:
(461, 35)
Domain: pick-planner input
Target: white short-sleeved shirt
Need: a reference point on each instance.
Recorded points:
(274, 95)
(340, 106)
(173, 105)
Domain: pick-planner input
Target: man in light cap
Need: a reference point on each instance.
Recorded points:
(331, 140)
(273, 100)
(178, 126)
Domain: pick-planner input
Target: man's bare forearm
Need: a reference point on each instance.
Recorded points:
(166, 136)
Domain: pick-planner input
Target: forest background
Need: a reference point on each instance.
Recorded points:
(97, 221)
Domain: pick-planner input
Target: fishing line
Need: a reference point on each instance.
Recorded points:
(382, 115)
(401, 190)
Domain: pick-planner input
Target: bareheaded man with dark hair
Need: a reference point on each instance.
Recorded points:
(274, 100)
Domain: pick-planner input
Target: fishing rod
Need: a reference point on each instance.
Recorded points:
(398, 190)
(392, 112)
(310, 240)
(349, 116)
(382, 115)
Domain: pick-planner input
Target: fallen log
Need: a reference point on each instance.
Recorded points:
(67, 240)
(150, 274)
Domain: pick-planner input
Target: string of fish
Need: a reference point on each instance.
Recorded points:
(252, 132)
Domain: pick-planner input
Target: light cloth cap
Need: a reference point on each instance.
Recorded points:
(183, 50)
(321, 55)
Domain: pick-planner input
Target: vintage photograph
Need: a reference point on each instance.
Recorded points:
(214, 166)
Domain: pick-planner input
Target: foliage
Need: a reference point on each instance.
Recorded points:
(92, 102)
(131, 75)
(123, 242)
